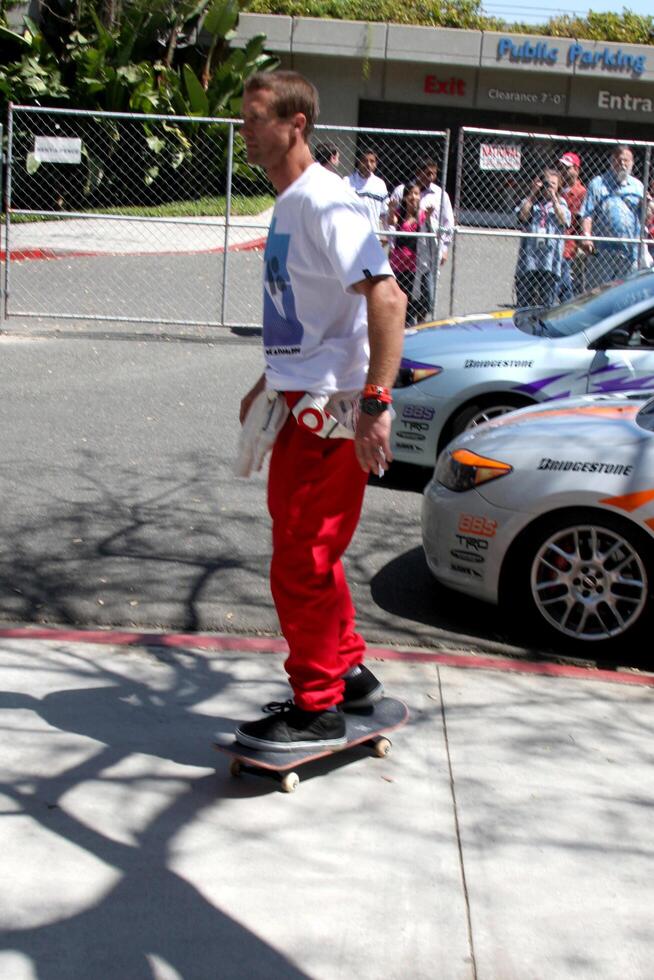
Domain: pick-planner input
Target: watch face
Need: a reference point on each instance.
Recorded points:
(372, 406)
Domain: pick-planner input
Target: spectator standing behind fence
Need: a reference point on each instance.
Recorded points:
(439, 203)
(328, 156)
(432, 253)
(649, 246)
(369, 188)
(573, 192)
(405, 260)
(543, 213)
(612, 209)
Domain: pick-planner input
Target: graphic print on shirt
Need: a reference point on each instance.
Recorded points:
(282, 331)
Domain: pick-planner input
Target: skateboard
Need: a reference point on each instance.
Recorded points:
(365, 726)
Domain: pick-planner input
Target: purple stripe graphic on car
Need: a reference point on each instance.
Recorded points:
(559, 394)
(623, 384)
(606, 368)
(406, 362)
(535, 386)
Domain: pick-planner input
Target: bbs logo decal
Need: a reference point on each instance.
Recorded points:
(475, 524)
(418, 412)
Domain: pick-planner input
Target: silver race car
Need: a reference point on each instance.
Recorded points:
(460, 372)
(550, 512)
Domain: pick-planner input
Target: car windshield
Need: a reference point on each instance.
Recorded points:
(587, 310)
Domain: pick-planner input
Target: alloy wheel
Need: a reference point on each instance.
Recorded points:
(589, 582)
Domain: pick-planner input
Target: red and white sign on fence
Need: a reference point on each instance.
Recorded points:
(494, 156)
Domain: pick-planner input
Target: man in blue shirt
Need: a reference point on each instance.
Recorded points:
(612, 209)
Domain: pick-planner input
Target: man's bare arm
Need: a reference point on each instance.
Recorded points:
(386, 318)
(586, 229)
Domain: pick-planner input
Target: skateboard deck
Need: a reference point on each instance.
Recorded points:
(365, 726)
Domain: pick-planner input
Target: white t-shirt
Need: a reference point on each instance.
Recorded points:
(320, 244)
(372, 192)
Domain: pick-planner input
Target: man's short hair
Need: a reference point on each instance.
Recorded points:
(621, 148)
(324, 152)
(427, 162)
(292, 93)
(366, 151)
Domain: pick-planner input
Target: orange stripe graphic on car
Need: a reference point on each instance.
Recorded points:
(631, 501)
(596, 411)
(469, 318)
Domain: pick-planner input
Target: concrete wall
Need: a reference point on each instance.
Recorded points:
(351, 60)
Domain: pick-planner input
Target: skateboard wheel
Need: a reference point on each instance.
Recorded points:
(382, 747)
(290, 782)
(235, 767)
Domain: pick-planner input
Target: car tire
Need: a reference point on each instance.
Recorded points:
(583, 579)
(482, 410)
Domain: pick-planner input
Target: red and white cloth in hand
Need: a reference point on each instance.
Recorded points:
(327, 416)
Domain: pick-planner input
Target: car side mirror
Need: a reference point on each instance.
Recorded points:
(619, 337)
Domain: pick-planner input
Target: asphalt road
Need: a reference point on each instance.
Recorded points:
(119, 507)
(189, 287)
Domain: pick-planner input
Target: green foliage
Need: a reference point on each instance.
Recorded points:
(34, 73)
(141, 56)
(626, 27)
(150, 60)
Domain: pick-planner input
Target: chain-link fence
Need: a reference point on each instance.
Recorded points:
(122, 203)
(160, 219)
(541, 217)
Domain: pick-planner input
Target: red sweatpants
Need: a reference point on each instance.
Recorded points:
(315, 493)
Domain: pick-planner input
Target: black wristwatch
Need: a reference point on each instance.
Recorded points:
(373, 406)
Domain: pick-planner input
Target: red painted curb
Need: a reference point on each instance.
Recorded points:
(31, 254)
(264, 644)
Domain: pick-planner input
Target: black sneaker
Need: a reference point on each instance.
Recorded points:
(288, 728)
(362, 689)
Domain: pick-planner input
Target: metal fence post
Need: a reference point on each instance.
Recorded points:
(643, 248)
(457, 208)
(439, 239)
(228, 212)
(7, 203)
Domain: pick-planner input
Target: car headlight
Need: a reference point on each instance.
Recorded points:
(462, 469)
(411, 372)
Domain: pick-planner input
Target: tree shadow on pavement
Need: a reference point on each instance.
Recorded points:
(85, 750)
(117, 544)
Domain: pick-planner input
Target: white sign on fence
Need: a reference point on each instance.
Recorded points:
(493, 156)
(57, 149)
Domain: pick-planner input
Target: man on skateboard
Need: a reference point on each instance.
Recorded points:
(332, 334)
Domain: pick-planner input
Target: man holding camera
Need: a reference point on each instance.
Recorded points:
(545, 216)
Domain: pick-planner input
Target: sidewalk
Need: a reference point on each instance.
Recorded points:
(69, 237)
(508, 835)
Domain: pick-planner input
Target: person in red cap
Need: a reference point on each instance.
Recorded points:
(574, 192)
